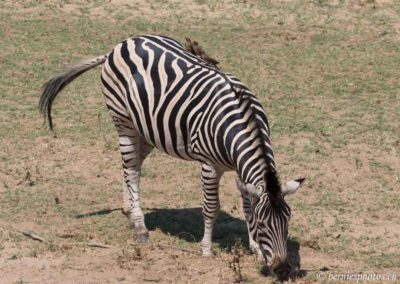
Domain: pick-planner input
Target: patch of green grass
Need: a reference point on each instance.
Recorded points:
(385, 260)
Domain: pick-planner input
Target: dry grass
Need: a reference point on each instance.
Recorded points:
(327, 73)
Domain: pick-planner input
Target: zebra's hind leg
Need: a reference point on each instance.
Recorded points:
(210, 180)
(254, 247)
(134, 150)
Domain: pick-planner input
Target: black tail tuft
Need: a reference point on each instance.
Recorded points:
(55, 85)
(50, 90)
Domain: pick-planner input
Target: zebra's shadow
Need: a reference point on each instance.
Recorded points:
(187, 224)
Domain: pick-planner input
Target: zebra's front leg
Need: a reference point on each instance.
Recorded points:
(254, 247)
(210, 180)
(133, 151)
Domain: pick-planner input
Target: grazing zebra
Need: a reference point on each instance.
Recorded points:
(161, 95)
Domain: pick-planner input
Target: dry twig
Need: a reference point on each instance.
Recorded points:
(97, 245)
(235, 263)
(151, 279)
(33, 236)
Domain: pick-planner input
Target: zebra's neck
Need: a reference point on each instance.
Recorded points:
(249, 146)
(249, 156)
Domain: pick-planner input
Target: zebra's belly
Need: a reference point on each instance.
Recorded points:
(172, 140)
(166, 134)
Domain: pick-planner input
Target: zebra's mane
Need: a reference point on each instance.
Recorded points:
(271, 178)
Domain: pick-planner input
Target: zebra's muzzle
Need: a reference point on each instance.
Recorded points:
(282, 270)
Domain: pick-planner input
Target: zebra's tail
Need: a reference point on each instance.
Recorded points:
(58, 82)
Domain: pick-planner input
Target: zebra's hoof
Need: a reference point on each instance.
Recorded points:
(206, 253)
(143, 237)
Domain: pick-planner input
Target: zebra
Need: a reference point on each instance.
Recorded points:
(162, 95)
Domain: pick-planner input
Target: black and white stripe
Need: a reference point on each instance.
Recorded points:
(162, 96)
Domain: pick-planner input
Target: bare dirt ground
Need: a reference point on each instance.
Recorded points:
(327, 73)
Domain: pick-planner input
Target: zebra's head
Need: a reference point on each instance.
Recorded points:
(269, 219)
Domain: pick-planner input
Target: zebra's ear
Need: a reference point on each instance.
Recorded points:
(249, 190)
(292, 186)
